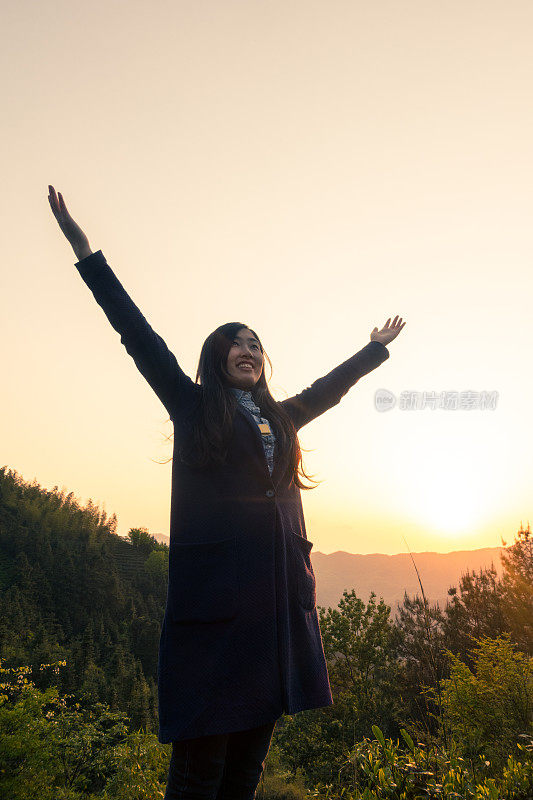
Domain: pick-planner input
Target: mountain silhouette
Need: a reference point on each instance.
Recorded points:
(391, 576)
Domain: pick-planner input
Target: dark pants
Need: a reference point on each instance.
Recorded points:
(224, 766)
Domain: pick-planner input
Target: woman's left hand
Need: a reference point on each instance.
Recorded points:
(388, 332)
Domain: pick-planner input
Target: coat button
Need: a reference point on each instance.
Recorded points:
(270, 493)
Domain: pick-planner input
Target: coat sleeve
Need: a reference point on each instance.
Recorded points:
(148, 350)
(326, 392)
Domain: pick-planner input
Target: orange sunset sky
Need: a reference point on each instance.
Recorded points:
(311, 169)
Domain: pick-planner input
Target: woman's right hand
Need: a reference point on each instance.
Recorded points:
(71, 229)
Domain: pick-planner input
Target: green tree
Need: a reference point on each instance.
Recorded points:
(475, 609)
(489, 708)
(361, 647)
(141, 539)
(422, 652)
(517, 585)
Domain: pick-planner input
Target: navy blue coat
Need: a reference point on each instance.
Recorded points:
(240, 642)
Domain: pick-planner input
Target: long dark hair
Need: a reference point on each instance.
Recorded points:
(212, 426)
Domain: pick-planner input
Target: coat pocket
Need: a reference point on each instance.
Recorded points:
(203, 582)
(305, 577)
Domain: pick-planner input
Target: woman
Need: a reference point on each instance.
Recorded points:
(240, 642)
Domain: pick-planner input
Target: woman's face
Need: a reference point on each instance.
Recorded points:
(245, 360)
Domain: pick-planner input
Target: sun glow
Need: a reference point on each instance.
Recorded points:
(448, 502)
(453, 492)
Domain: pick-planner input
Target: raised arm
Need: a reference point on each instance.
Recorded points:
(328, 391)
(154, 360)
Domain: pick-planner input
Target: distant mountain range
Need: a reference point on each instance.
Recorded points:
(391, 576)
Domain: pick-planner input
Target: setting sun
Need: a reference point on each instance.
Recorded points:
(454, 480)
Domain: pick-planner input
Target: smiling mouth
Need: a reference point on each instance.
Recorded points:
(246, 367)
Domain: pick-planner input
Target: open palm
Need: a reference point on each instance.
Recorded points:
(388, 332)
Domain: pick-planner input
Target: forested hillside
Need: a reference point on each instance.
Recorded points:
(72, 589)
